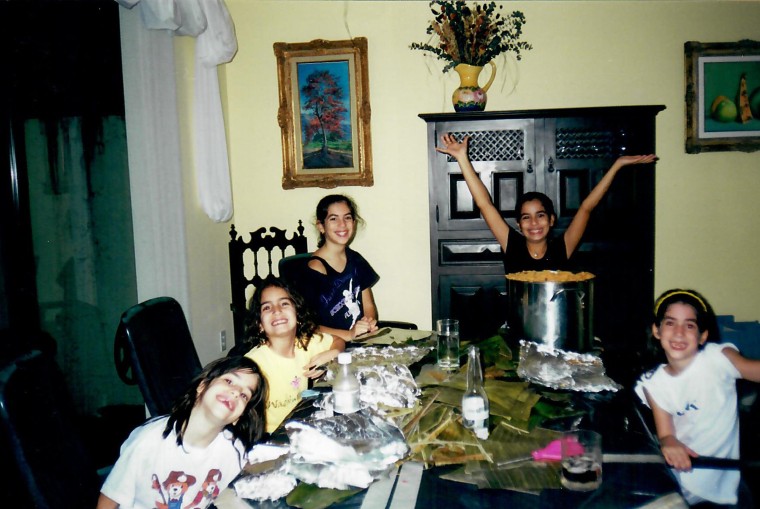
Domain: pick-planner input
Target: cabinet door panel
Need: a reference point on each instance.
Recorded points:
(507, 187)
(479, 302)
(576, 152)
(503, 158)
(573, 188)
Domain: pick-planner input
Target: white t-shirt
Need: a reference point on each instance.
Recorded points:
(153, 471)
(285, 376)
(702, 401)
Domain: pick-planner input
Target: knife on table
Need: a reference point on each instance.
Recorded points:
(698, 462)
(372, 335)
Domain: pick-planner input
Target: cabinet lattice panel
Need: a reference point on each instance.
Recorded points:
(504, 145)
(581, 143)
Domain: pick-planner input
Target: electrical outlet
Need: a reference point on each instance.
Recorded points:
(223, 340)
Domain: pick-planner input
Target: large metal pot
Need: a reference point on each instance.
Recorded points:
(552, 308)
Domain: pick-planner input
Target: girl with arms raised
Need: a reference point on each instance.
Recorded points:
(534, 249)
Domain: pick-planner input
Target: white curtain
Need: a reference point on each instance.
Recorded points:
(210, 23)
(155, 167)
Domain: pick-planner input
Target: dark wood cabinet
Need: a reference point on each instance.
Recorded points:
(562, 153)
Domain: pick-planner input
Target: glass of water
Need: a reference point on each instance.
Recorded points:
(447, 330)
(581, 460)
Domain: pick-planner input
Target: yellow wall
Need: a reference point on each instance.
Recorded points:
(585, 54)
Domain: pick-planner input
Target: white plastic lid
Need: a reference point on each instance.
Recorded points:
(344, 358)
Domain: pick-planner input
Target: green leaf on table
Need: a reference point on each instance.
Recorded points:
(553, 410)
(566, 397)
(495, 352)
(531, 477)
(310, 496)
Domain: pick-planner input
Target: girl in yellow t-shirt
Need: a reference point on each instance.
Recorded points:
(285, 344)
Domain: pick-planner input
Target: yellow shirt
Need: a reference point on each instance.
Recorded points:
(285, 376)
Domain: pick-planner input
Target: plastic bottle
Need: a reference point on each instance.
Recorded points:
(475, 407)
(345, 387)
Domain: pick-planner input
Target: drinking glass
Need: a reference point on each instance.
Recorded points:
(447, 330)
(581, 460)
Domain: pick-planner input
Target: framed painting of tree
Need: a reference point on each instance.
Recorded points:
(324, 113)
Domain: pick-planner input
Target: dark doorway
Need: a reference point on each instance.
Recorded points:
(67, 264)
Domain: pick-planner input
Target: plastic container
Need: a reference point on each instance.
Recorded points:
(346, 387)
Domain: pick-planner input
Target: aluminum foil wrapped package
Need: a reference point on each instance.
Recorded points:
(559, 369)
(406, 355)
(384, 375)
(266, 477)
(344, 450)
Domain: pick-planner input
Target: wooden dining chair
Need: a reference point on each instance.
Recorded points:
(153, 348)
(253, 260)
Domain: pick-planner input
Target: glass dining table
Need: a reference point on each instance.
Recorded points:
(632, 475)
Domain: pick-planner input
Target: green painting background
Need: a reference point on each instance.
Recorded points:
(722, 78)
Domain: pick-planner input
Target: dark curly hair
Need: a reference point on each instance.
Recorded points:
(250, 427)
(306, 320)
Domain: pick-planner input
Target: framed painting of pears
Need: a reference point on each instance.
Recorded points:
(324, 113)
(722, 96)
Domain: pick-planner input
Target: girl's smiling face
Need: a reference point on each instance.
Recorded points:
(679, 335)
(278, 313)
(338, 226)
(535, 223)
(227, 396)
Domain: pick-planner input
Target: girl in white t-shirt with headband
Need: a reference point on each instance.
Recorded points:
(693, 396)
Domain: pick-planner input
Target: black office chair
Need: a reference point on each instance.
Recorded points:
(153, 348)
(261, 245)
(48, 466)
(292, 267)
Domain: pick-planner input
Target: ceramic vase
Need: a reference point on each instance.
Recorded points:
(470, 96)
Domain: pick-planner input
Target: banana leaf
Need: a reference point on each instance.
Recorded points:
(528, 478)
(310, 496)
(496, 353)
(430, 375)
(520, 473)
(517, 426)
(438, 438)
(431, 424)
(556, 410)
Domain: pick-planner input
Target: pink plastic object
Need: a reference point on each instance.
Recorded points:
(553, 451)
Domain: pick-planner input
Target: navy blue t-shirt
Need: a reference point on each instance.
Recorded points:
(336, 297)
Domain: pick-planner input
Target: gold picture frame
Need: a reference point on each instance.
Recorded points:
(717, 75)
(324, 113)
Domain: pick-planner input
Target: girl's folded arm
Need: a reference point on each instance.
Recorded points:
(673, 450)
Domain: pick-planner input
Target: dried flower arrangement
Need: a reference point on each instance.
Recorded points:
(473, 35)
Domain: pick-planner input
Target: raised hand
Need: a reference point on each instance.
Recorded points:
(452, 147)
(638, 159)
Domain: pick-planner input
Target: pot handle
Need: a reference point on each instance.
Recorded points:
(581, 293)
